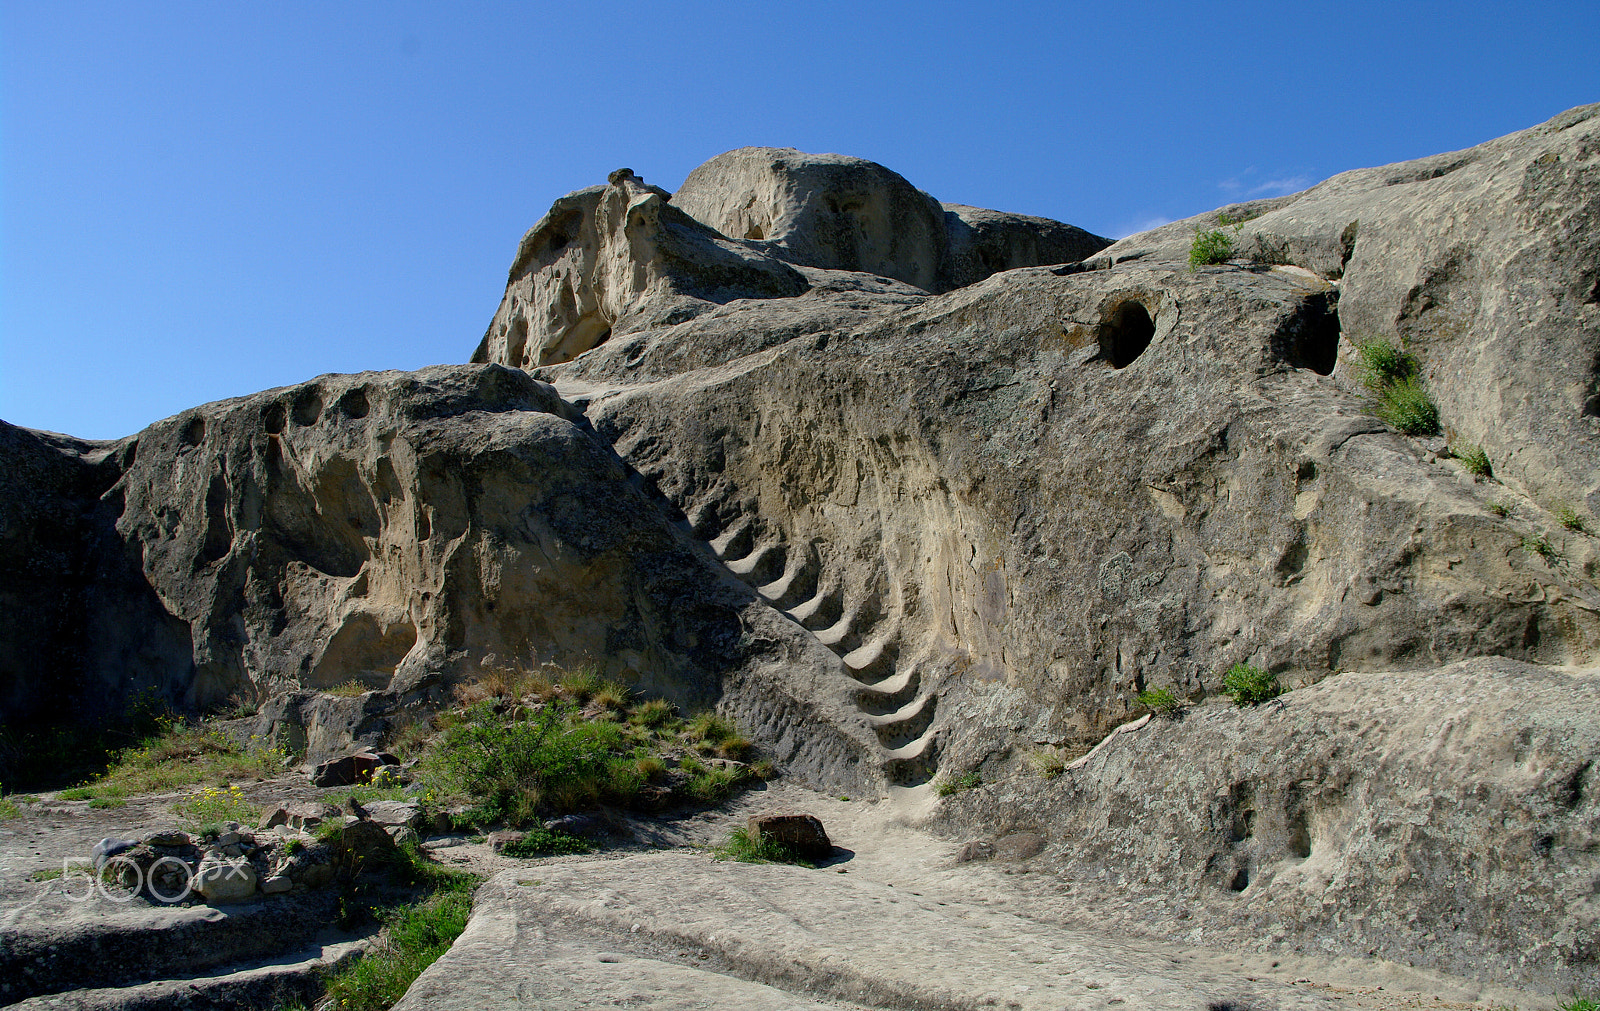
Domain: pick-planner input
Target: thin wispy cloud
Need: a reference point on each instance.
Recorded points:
(1246, 185)
(1138, 225)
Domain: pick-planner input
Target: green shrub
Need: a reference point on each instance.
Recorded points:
(1474, 461)
(1210, 247)
(1160, 702)
(541, 842)
(1250, 686)
(513, 768)
(955, 784)
(9, 808)
(746, 850)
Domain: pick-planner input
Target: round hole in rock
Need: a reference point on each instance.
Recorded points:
(1125, 333)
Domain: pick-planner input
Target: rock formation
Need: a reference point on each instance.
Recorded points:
(914, 489)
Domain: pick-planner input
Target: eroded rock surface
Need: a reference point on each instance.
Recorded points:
(804, 444)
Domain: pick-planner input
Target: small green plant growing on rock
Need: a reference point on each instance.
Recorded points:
(1474, 461)
(955, 784)
(1047, 762)
(1568, 517)
(1210, 247)
(1250, 686)
(1542, 547)
(1500, 509)
(1407, 407)
(1399, 396)
(1160, 702)
(1580, 1004)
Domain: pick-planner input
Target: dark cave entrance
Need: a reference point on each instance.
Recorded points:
(1125, 333)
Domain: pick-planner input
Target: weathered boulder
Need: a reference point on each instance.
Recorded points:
(349, 770)
(800, 834)
(822, 210)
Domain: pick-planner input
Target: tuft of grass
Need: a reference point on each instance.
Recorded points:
(1250, 686)
(541, 842)
(1406, 407)
(955, 784)
(582, 683)
(1542, 547)
(1569, 519)
(745, 850)
(9, 808)
(652, 713)
(48, 874)
(612, 696)
(710, 728)
(1047, 762)
(108, 802)
(1580, 1004)
(349, 690)
(1160, 702)
(1399, 396)
(413, 938)
(1210, 247)
(1474, 461)
(1383, 363)
(1500, 509)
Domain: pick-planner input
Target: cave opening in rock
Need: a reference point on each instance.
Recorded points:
(1310, 338)
(1125, 333)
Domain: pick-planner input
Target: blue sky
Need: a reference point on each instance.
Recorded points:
(202, 200)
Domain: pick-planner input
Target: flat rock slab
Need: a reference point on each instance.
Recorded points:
(678, 929)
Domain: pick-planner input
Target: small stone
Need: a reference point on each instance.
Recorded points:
(171, 837)
(1019, 846)
(404, 835)
(501, 838)
(365, 839)
(976, 850)
(277, 884)
(222, 881)
(227, 839)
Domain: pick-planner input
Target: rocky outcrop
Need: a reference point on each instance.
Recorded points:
(1485, 263)
(1445, 817)
(399, 530)
(614, 258)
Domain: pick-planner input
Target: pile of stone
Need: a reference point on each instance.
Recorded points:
(291, 850)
